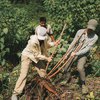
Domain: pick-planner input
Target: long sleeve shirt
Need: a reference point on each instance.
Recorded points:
(89, 41)
(34, 51)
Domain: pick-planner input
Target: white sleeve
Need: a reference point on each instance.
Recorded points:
(49, 29)
(87, 48)
(51, 43)
(74, 40)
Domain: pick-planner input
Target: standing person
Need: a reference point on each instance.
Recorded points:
(89, 37)
(33, 52)
(43, 23)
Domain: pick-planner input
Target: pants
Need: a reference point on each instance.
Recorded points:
(80, 67)
(25, 64)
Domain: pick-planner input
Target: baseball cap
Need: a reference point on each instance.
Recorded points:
(92, 24)
(41, 33)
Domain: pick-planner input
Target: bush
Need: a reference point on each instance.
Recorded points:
(15, 25)
(76, 13)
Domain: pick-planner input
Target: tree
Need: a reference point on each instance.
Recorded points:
(76, 12)
(14, 28)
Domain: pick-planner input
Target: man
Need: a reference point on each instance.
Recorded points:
(43, 23)
(33, 52)
(89, 37)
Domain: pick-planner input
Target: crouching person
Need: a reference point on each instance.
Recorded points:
(35, 51)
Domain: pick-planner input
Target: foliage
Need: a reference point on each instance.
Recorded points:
(17, 19)
(15, 26)
(61, 50)
(95, 60)
(7, 82)
(96, 67)
(75, 13)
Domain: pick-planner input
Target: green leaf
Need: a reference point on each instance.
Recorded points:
(7, 50)
(5, 30)
(19, 54)
(0, 76)
(63, 50)
(3, 62)
(2, 40)
(2, 46)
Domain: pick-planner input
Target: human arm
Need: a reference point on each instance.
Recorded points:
(42, 57)
(50, 33)
(52, 37)
(86, 48)
(74, 40)
(55, 43)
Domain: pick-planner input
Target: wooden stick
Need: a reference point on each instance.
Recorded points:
(70, 58)
(57, 46)
(59, 62)
(62, 59)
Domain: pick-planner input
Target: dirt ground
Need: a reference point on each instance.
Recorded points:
(72, 90)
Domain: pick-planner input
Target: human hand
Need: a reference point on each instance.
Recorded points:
(49, 59)
(41, 72)
(57, 42)
(73, 54)
(65, 57)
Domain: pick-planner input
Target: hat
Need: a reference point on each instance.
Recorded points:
(41, 33)
(92, 24)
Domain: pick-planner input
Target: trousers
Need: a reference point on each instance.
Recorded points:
(81, 66)
(25, 64)
(81, 61)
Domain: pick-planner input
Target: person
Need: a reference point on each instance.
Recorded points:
(89, 37)
(43, 23)
(33, 53)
